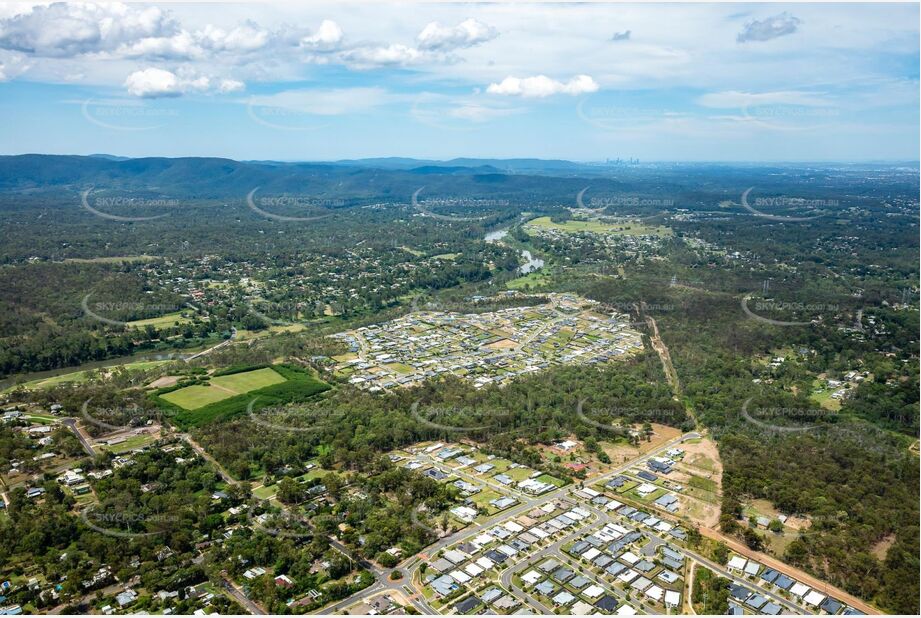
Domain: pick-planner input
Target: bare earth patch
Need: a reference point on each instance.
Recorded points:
(164, 382)
(882, 548)
(502, 344)
(621, 452)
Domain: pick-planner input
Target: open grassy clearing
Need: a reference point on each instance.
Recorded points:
(222, 387)
(85, 374)
(164, 321)
(627, 228)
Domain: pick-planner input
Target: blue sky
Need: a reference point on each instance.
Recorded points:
(323, 81)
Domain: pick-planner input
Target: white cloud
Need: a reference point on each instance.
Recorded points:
(542, 86)
(468, 33)
(154, 83)
(231, 85)
(327, 37)
(12, 64)
(381, 55)
(72, 29)
(770, 28)
(243, 38)
(114, 30)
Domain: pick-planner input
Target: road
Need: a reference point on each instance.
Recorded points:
(201, 451)
(226, 342)
(238, 595)
(791, 571)
(71, 423)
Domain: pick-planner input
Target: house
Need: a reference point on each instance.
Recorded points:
(126, 598)
(736, 563)
(830, 606)
(783, 582)
(443, 585)
(814, 598)
(503, 502)
(545, 588)
(531, 577)
(284, 581)
(607, 603)
(563, 598)
(672, 599)
(507, 603)
(468, 604)
(647, 476)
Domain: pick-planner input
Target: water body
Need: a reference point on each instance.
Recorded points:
(531, 263)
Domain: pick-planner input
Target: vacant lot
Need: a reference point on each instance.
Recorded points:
(629, 228)
(222, 387)
(163, 321)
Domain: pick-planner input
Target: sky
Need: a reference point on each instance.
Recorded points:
(316, 81)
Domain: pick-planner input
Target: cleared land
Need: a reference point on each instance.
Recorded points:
(629, 228)
(222, 387)
(163, 321)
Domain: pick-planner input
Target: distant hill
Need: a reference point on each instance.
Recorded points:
(215, 178)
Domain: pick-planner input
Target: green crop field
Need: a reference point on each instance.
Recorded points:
(233, 390)
(222, 387)
(248, 380)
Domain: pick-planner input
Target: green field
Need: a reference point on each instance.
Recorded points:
(239, 387)
(129, 444)
(163, 321)
(628, 228)
(535, 279)
(222, 387)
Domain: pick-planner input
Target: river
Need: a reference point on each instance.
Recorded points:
(531, 263)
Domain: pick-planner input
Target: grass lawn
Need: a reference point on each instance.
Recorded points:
(535, 279)
(40, 418)
(546, 478)
(196, 396)
(222, 387)
(701, 483)
(248, 380)
(264, 493)
(163, 321)
(129, 444)
(399, 368)
(519, 474)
